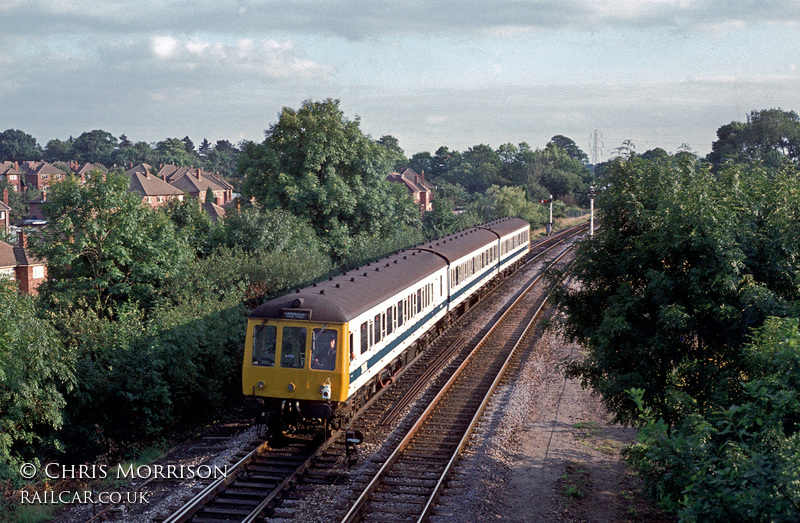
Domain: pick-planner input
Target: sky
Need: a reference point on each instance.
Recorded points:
(660, 73)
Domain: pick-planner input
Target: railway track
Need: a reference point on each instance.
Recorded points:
(266, 482)
(408, 483)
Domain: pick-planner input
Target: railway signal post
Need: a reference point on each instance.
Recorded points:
(549, 228)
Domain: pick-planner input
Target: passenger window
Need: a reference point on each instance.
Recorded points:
(264, 341)
(293, 347)
(377, 328)
(323, 349)
(400, 313)
(364, 337)
(389, 322)
(419, 301)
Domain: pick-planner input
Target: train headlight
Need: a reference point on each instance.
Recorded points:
(260, 385)
(290, 387)
(325, 390)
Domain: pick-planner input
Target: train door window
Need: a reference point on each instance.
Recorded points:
(352, 349)
(293, 347)
(441, 287)
(389, 321)
(377, 325)
(419, 300)
(265, 338)
(364, 337)
(383, 325)
(371, 340)
(324, 347)
(399, 314)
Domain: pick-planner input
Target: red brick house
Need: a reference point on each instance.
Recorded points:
(11, 172)
(421, 190)
(17, 265)
(42, 174)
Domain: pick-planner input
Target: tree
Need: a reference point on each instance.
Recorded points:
(34, 370)
(59, 151)
(204, 147)
(137, 153)
(94, 146)
(319, 166)
(767, 136)
(104, 247)
(18, 146)
(188, 145)
(572, 150)
(421, 162)
(173, 151)
(738, 462)
(392, 145)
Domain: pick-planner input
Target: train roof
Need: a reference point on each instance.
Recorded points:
(344, 297)
(505, 226)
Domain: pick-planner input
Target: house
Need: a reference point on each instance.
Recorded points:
(421, 190)
(155, 191)
(16, 264)
(11, 172)
(5, 212)
(42, 174)
(35, 206)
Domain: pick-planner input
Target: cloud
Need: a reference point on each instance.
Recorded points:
(366, 19)
(271, 59)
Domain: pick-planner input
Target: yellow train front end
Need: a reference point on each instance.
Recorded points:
(295, 370)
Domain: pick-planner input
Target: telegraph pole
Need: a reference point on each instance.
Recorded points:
(592, 193)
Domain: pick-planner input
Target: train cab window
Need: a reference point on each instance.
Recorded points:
(293, 347)
(323, 349)
(389, 321)
(399, 314)
(265, 338)
(364, 337)
(377, 328)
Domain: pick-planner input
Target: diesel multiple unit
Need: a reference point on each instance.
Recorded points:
(320, 352)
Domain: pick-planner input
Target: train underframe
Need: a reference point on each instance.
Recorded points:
(284, 415)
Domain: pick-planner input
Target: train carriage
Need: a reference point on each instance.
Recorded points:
(318, 352)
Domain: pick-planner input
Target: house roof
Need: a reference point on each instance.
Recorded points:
(4, 207)
(89, 167)
(214, 211)
(150, 185)
(195, 182)
(7, 258)
(141, 168)
(15, 255)
(45, 168)
(412, 180)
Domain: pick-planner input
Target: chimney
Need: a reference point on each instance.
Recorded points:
(199, 176)
(423, 176)
(44, 195)
(5, 196)
(22, 239)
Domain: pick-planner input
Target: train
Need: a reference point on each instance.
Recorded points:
(318, 354)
